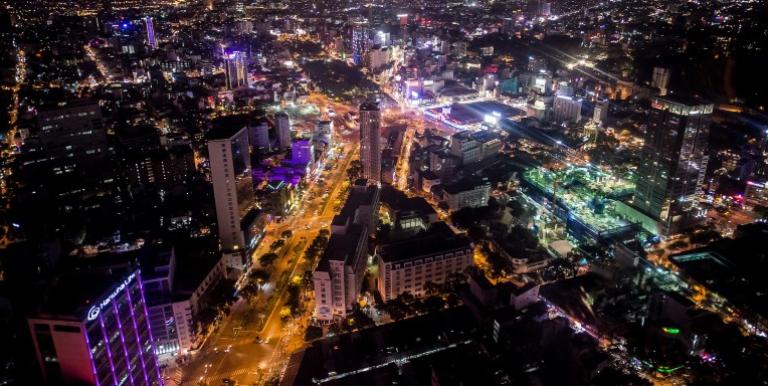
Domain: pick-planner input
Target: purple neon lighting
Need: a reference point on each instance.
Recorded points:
(138, 339)
(122, 339)
(108, 348)
(90, 356)
(149, 329)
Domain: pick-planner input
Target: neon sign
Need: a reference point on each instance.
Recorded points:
(95, 310)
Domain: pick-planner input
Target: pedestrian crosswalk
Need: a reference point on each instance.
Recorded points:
(216, 379)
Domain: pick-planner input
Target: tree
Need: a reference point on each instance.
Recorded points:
(286, 234)
(355, 170)
(276, 244)
(267, 259)
(312, 333)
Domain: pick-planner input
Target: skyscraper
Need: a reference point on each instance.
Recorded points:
(674, 161)
(660, 80)
(370, 143)
(232, 183)
(235, 69)
(360, 41)
(283, 124)
(151, 40)
(92, 328)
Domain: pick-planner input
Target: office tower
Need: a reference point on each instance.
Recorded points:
(151, 40)
(324, 133)
(232, 183)
(673, 163)
(600, 114)
(258, 136)
(92, 328)
(338, 278)
(235, 69)
(660, 80)
(430, 257)
(761, 168)
(283, 124)
(68, 159)
(303, 152)
(360, 41)
(370, 143)
(567, 108)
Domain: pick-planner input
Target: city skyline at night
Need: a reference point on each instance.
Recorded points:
(302, 192)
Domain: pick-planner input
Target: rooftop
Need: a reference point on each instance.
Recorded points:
(437, 240)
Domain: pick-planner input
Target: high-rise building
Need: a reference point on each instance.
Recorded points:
(258, 136)
(338, 277)
(674, 162)
(232, 183)
(660, 80)
(303, 152)
(600, 113)
(68, 159)
(92, 328)
(236, 70)
(567, 108)
(283, 124)
(151, 40)
(370, 141)
(761, 167)
(360, 41)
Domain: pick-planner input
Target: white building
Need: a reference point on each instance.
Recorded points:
(230, 164)
(463, 194)
(567, 108)
(338, 277)
(407, 266)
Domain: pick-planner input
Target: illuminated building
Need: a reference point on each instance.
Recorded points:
(430, 257)
(151, 40)
(761, 169)
(232, 183)
(660, 80)
(235, 70)
(258, 136)
(674, 162)
(92, 328)
(467, 193)
(283, 131)
(567, 108)
(370, 141)
(303, 152)
(756, 195)
(338, 278)
(360, 41)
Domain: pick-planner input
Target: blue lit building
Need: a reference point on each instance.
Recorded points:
(92, 328)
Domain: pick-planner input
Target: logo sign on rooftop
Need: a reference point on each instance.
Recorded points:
(95, 310)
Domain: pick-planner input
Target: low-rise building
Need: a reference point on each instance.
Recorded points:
(467, 193)
(430, 257)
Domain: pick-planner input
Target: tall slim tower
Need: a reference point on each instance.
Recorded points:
(283, 123)
(235, 69)
(360, 41)
(660, 80)
(370, 142)
(151, 40)
(674, 162)
(232, 183)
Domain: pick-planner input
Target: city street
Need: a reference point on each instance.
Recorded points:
(242, 352)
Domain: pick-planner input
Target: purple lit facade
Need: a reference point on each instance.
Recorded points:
(110, 344)
(151, 40)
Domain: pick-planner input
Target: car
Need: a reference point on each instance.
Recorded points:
(228, 382)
